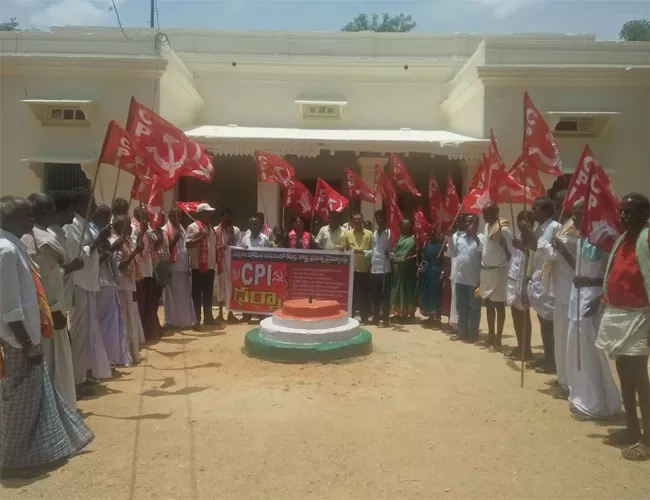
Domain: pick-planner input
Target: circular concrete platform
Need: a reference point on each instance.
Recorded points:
(261, 347)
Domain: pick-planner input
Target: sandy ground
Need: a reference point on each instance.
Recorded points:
(421, 417)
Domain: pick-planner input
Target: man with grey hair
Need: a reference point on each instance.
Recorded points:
(37, 428)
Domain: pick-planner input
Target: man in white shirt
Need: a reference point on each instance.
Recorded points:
(330, 236)
(254, 237)
(146, 293)
(496, 254)
(88, 352)
(49, 255)
(38, 428)
(228, 235)
(202, 250)
(539, 293)
(380, 270)
(467, 248)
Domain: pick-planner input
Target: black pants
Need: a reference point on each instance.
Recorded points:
(519, 319)
(546, 326)
(148, 307)
(380, 295)
(361, 295)
(202, 291)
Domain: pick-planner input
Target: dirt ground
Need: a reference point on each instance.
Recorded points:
(421, 417)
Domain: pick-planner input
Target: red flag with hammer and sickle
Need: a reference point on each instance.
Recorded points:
(298, 197)
(271, 168)
(174, 154)
(326, 199)
(356, 188)
(400, 176)
(540, 148)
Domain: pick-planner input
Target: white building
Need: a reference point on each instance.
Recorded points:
(325, 100)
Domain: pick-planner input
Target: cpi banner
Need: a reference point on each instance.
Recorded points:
(262, 279)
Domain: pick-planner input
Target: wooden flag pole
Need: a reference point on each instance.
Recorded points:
(117, 180)
(524, 332)
(91, 198)
(452, 225)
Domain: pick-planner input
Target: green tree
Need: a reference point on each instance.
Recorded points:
(388, 23)
(637, 30)
(11, 25)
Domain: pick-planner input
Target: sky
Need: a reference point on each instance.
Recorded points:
(603, 18)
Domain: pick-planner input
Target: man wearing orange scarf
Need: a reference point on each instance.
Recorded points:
(37, 428)
(202, 245)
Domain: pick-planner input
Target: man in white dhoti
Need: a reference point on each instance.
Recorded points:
(88, 351)
(37, 428)
(593, 393)
(177, 295)
(496, 254)
(126, 289)
(227, 236)
(624, 331)
(562, 262)
(539, 293)
(109, 312)
(49, 255)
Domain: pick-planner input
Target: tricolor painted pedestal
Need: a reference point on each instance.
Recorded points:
(308, 331)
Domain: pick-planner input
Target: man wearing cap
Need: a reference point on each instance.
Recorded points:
(202, 249)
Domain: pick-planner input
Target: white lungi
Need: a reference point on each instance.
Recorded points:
(88, 352)
(58, 358)
(593, 390)
(493, 284)
(560, 333)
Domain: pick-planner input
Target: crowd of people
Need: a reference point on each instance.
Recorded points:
(82, 284)
(589, 304)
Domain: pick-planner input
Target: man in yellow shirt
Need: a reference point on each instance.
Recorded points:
(359, 240)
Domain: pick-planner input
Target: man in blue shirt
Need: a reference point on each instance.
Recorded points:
(467, 248)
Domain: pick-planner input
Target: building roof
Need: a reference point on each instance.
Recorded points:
(235, 140)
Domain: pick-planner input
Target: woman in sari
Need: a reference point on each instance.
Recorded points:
(402, 297)
(430, 273)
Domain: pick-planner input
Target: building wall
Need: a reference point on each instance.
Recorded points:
(622, 149)
(23, 136)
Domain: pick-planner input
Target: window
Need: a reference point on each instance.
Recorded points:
(321, 111)
(63, 177)
(60, 115)
(575, 127)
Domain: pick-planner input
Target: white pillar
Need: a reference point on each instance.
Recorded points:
(367, 167)
(268, 202)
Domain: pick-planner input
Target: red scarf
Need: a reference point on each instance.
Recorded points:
(293, 239)
(147, 247)
(170, 233)
(47, 325)
(203, 249)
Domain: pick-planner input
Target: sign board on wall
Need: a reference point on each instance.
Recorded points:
(262, 279)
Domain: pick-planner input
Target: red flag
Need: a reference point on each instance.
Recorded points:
(579, 184)
(451, 205)
(271, 168)
(435, 201)
(155, 204)
(189, 206)
(141, 189)
(600, 219)
(174, 154)
(357, 189)
(298, 198)
(480, 177)
(502, 187)
(526, 176)
(326, 199)
(400, 176)
(121, 150)
(421, 226)
(540, 148)
(478, 195)
(394, 218)
(383, 186)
